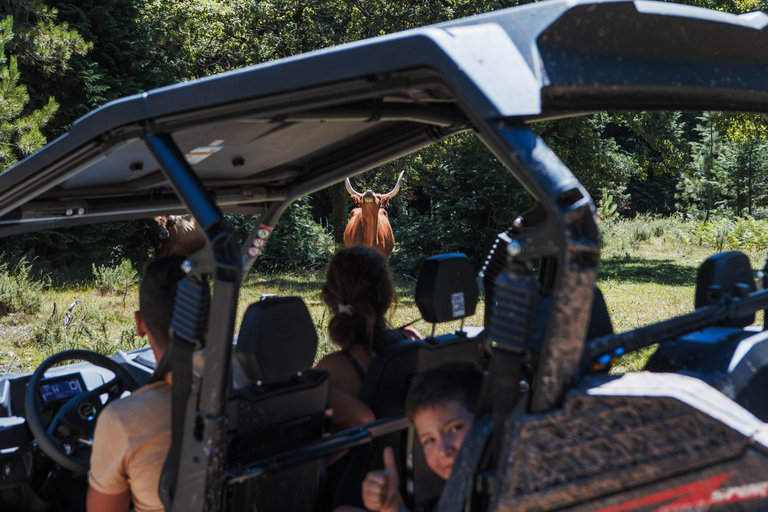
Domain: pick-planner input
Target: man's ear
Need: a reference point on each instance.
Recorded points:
(141, 327)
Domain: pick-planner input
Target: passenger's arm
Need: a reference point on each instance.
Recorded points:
(100, 502)
(412, 333)
(349, 412)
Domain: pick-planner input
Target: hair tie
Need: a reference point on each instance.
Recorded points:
(345, 308)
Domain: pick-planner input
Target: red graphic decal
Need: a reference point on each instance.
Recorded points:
(693, 495)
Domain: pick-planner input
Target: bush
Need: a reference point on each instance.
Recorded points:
(19, 292)
(116, 279)
(76, 327)
(297, 242)
(473, 198)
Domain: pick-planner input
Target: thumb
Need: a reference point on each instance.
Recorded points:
(393, 479)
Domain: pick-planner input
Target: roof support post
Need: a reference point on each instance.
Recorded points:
(203, 444)
(566, 243)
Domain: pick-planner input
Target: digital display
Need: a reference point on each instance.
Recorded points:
(61, 389)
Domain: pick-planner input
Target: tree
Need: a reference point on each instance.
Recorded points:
(703, 182)
(587, 145)
(744, 155)
(103, 53)
(20, 133)
(473, 198)
(42, 48)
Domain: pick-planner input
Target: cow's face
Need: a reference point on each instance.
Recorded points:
(158, 227)
(371, 201)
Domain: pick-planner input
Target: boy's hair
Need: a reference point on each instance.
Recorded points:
(157, 293)
(457, 381)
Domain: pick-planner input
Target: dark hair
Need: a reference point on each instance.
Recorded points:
(358, 278)
(157, 293)
(456, 381)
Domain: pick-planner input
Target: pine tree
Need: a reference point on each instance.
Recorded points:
(20, 133)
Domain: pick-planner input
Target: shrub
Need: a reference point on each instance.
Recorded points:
(297, 242)
(116, 279)
(19, 291)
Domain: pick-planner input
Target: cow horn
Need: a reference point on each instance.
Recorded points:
(395, 190)
(351, 191)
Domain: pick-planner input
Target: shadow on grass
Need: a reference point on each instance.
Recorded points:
(305, 282)
(641, 270)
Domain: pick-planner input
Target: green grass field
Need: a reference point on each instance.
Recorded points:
(647, 274)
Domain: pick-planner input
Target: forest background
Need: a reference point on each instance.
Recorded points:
(60, 59)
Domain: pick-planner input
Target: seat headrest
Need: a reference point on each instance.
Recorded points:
(447, 288)
(732, 273)
(277, 339)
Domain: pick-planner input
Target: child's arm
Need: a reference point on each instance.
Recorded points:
(381, 489)
(348, 411)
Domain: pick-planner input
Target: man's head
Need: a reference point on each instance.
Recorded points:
(441, 404)
(157, 292)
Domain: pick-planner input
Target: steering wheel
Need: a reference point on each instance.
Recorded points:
(69, 436)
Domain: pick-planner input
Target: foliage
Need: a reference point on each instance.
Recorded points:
(64, 249)
(588, 146)
(606, 210)
(20, 133)
(297, 241)
(116, 279)
(43, 47)
(203, 37)
(20, 291)
(78, 327)
(683, 234)
(473, 197)
(85, 53)
(742, 234)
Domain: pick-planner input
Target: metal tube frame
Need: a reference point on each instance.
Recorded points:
(203, 456)
(567, 242)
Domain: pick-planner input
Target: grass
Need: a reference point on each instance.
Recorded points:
(648, 273)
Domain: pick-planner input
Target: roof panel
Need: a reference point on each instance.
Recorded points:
(307, 121)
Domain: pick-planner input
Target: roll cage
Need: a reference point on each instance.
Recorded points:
(256, 139)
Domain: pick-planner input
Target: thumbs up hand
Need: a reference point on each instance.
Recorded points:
(381, 489)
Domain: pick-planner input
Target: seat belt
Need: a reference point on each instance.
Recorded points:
(181, 388)
(190, 316)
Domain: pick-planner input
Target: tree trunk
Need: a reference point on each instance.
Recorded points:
(750, 180)
(739, 194)
(340, 212)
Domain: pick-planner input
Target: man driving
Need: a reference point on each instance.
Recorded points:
(133, 435)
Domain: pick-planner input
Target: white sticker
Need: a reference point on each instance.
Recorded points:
(200, 153)
(457, 304)
(253, 251)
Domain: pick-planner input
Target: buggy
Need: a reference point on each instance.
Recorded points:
(554, 431)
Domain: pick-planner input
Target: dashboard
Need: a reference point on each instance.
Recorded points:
(17, 450)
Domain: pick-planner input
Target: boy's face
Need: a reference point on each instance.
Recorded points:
(441, 430)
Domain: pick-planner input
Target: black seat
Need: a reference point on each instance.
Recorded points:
(283, 407)
(446, 291)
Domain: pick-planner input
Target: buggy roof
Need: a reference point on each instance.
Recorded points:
(283, 129)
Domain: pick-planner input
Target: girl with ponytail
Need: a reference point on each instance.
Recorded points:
(358, 291)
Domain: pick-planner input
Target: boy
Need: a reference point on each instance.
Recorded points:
(441, 404)
(133, 435)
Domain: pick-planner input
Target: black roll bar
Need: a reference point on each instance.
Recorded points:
(203, 455)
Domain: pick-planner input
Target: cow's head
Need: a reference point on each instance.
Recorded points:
(369, 200)
(157, 229)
